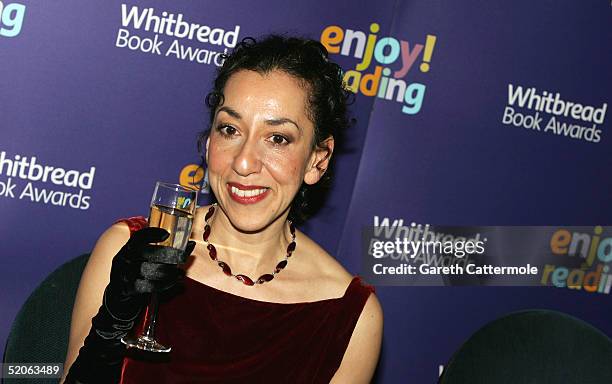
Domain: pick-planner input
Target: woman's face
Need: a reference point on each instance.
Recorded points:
(259, 150)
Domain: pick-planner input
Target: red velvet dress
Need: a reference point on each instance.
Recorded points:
(218, 337)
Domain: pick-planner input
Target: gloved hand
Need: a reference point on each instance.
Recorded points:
(141, 267)
(137, 269)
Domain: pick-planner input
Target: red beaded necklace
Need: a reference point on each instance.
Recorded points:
(212, 252)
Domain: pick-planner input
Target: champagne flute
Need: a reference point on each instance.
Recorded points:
(172, 208)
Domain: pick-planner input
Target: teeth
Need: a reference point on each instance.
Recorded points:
(247, 193)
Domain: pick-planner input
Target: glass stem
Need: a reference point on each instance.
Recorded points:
(152, 316)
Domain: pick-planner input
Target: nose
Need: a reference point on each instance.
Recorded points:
(247, 158)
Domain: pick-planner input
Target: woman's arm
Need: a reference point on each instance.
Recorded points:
(361, 356)
(91, 288)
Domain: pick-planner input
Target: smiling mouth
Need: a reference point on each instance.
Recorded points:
(247, 194)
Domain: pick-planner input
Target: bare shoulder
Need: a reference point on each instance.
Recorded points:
(324, 270)
(361, 356)
(107, 245)
(372, 314)
(113, 238)
(115, 232)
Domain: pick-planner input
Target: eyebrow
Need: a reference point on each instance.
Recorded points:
(277, 121)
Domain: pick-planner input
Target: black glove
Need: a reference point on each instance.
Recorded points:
(139, 268)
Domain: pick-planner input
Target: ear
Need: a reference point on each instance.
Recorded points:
(319, 161)
(207, 142)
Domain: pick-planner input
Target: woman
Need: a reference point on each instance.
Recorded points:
(260, 300)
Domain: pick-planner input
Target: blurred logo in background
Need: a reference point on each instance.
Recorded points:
(11, 19)
(194, 176)
(27, 178)
(385, 63)
(549, 112)
(170, 34)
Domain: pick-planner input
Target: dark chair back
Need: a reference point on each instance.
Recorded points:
(535, 346)
(41, 329)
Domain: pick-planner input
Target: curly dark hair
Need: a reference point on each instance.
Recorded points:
(328, 99)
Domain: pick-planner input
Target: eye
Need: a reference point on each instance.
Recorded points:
(226, 130)
(279, 139)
